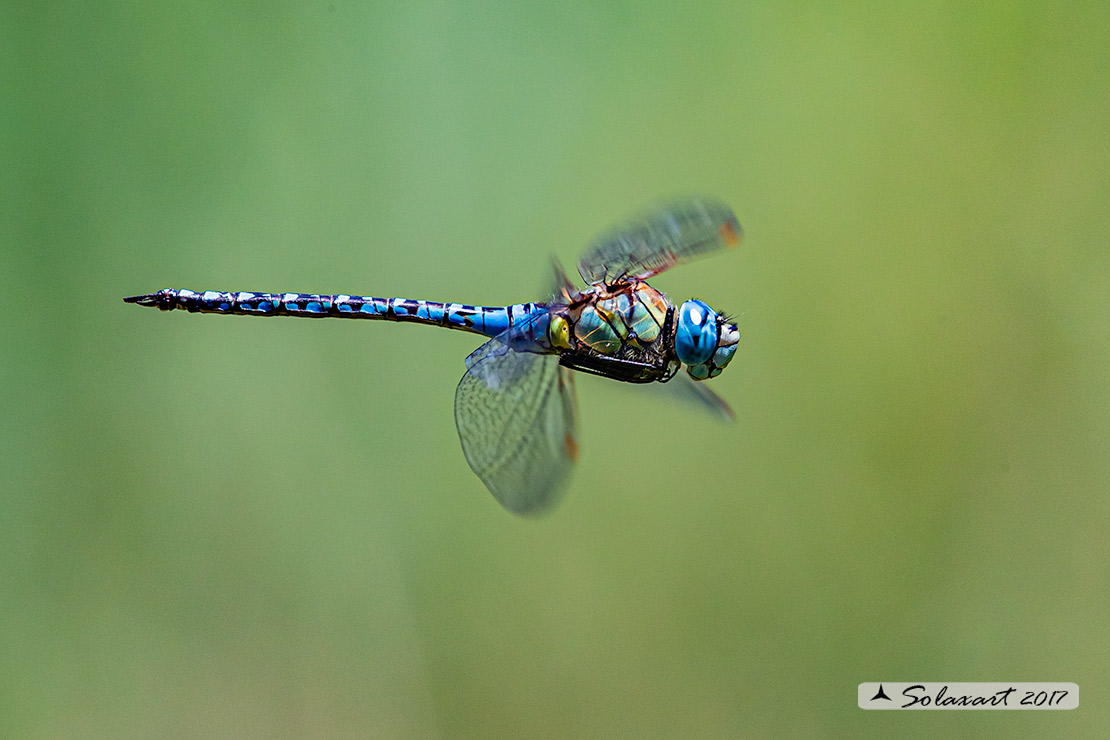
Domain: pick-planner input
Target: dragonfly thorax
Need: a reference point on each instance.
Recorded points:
(625, 316)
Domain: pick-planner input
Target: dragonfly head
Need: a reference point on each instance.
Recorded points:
(704, 341)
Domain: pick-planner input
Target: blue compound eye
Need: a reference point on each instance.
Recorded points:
(695, 337)
(726, 348)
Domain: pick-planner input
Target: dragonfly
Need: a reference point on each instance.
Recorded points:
(515, 406)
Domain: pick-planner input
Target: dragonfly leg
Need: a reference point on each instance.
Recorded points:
(627, 371)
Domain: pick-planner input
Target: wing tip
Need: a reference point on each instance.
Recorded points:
(731, 232)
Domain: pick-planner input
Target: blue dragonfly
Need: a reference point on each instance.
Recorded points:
(515, 406)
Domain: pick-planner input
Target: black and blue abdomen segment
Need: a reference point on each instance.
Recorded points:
(486, 320)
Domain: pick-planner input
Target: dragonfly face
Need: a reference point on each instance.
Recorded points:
(704, 341)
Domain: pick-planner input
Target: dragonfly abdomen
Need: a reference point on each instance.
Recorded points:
(486, 320)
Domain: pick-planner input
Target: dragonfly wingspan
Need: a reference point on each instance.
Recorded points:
(660, 239)
(517, 422)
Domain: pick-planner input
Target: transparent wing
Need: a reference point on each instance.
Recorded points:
(517, 422)
(688, 389)
(683, 390)
(660, 239)
(561, 289)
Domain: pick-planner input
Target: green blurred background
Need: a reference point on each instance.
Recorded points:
(217, 527)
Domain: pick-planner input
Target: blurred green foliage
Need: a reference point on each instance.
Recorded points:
(216, 527)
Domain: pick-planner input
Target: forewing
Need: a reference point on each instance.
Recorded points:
(660, 239)
(517, 422)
